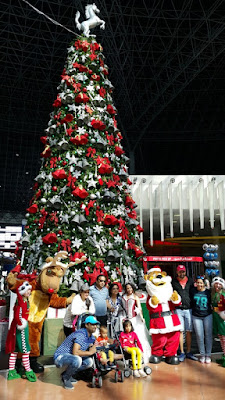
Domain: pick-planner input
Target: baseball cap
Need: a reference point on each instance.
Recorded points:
(91, 320)
(181, 268)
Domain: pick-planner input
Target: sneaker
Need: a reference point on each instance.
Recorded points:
(208, 360)
(67, 383)
(73, 380)
(142, 373)
(182, 357)
(202, 360)
(136, 374)
(191, 356)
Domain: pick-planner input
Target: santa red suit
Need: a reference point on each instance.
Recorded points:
(164, 323)
(164, 328)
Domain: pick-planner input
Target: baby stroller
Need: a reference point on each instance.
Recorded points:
(97, 371)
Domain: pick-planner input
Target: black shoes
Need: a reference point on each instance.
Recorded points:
(173, 360)
(155, 359)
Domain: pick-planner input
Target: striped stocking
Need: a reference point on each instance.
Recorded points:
(26, 361)
(12, 361)
(222, 342)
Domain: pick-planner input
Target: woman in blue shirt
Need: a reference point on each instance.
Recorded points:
(202, 319)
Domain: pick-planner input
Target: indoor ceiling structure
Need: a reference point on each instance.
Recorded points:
(166, 61)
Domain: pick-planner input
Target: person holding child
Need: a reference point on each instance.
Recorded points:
(18, 335)
(132, 345)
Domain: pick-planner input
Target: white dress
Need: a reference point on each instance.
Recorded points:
(131, 312)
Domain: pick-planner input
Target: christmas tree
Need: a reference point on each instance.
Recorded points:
(82, 201)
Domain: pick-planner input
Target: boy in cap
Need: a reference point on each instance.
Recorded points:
(183, 284)
(76, 352)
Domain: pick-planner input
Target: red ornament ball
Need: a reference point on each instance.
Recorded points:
(54, 188)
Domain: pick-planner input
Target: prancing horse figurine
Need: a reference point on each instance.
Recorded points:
(92, 21)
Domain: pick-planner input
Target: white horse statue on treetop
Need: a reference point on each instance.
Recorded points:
(92, 21)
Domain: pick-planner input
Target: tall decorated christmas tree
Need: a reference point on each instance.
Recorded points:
(82, 201)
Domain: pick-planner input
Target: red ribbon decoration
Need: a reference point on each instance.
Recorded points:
(54, 218)
(99, 215)
(53, 162)
(90, 152)
(90, 205)
(65, 244)
(71, 181)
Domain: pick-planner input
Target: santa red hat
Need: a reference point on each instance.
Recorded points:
(156, 268)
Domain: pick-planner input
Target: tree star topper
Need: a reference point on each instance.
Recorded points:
(92, 19)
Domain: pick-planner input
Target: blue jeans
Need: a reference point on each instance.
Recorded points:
(185, 317)
(74, 363)
(203, 330)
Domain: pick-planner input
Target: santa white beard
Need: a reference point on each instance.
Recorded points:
(162, 292)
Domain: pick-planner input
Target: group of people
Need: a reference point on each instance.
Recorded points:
(202, 309)
(124, 314)
(199, 308)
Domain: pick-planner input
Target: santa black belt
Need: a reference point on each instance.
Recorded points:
(162, 314)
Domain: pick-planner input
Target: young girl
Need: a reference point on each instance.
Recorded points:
(132, 345)
(218, 302)
(18, 335)
(202, 319)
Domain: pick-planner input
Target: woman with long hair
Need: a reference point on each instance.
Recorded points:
(132, 310)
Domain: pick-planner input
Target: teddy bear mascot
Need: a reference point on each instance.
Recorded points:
(44, 294)
(164, 323)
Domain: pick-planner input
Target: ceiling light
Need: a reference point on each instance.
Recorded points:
(17, 154)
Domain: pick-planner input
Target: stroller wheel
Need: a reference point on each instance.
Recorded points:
(116, 376)
(148, 370)
(93, 382)
(99, 381)
(121, 376)
(127, 373)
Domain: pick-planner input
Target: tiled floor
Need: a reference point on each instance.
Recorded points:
(187, 381)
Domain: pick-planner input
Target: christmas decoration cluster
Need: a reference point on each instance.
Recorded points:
(82, 201)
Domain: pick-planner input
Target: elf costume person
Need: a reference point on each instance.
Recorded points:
(18, 335)
(218, 302)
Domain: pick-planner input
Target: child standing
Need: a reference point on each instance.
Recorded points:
(18, 335)
(131, 344)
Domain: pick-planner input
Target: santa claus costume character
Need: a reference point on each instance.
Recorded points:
(18, 336)
(218, 303)
(131, 309)
(164, 323)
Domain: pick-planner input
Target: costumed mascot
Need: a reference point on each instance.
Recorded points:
(164, 323)
(44, 294)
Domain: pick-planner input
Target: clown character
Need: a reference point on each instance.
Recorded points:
(18, 335)
(218, 303)
(164, 323)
